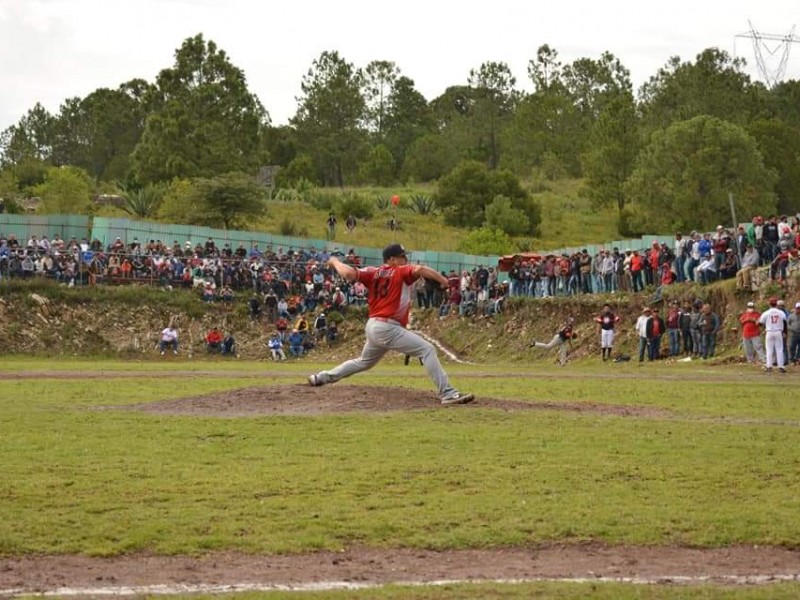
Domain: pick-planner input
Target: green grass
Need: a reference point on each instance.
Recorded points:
(76, 479)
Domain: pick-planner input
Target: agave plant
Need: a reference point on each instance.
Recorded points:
(422, 204)
(143, 202)
(383, 202)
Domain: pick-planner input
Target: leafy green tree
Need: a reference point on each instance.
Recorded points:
(468, 189)
(30, 139)
(784, 102)
(279, 144)
(65, 191)
(329, 117)
(486, 241)
(427, 159)
(613, 147)
(713, 85)
(494, 100)
(229, 201)
(301, 168)
(379, 80)
(205, 121)
(177, 203)
(683, 177)
(780, 146)
(99, 133)
(500, 214)
(378, 168)
(409, 117)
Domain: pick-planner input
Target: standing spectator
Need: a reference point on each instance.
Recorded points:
(654, 330)
(686, 328)
(607, 321)
(169, 338)
(350, 223)
(673, 323)
(637, 265)
(641, 330)
(773, 319)
(562, 339)
(331, 223)
(389, 304)
(709, 326)
(751, 334)
(793, 329)
(296, 343)
(697, 336)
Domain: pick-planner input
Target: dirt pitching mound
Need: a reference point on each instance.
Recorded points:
(340, 398)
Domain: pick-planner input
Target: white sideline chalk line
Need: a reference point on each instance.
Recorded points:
(324, 586)
(436, 343)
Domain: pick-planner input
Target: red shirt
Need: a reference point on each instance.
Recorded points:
(390, 291)
(749, 320)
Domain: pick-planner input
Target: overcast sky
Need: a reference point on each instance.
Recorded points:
(55, 49)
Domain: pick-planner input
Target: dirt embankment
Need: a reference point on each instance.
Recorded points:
(81, 322)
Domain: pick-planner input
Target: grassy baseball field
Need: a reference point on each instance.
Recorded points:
(678, 455)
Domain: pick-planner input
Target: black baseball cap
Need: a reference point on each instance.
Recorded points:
(393, 250)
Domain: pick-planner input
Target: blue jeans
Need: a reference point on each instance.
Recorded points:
(655, 347)
(642, 348)
(674, 341)
(794, 347)
(709, 344)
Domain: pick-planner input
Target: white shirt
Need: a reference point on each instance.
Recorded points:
(773, 319)
(641, 325)
(169, 334)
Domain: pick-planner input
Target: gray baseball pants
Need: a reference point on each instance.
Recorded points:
(383, 336)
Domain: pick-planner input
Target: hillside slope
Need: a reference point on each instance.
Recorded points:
(47, 319)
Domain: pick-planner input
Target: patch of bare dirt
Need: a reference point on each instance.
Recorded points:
(363, 565)
(342, 398)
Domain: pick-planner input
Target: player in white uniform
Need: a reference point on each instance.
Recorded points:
(773, 319)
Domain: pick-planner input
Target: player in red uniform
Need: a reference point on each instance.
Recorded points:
(391, 289)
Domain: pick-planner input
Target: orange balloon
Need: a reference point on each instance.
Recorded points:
(395, 200)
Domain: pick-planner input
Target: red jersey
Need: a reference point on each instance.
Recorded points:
(390, 291)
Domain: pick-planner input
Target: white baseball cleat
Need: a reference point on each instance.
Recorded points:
(458, 398)
(315, 381)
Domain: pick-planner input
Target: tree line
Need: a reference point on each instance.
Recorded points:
(666, 156)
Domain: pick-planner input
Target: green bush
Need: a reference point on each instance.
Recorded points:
(352, 203)
(422, 204)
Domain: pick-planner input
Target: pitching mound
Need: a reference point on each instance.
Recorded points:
(342, 398)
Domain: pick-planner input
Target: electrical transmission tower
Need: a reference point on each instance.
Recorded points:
(768, 49)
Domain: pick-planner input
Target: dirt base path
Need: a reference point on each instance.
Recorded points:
(363, 567)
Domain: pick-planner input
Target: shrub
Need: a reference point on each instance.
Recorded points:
(422, 204)
(354, 204)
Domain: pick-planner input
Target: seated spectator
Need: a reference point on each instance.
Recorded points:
(296, 343)
(214, 340)
(332, 333)
(226, 294)
(169, 338)
(728, 267)
(208, 294)
(301, 324)
(275, 345)
(228, 346)
(705, 272)
(338, 300)
(283, 309)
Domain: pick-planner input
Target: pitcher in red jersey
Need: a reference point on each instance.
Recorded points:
(390, 293)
